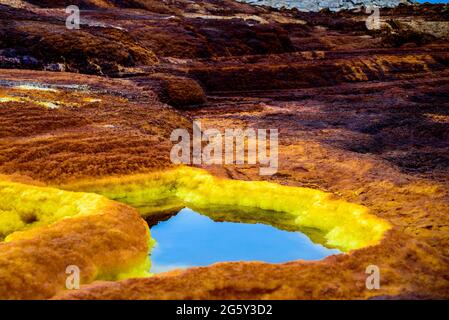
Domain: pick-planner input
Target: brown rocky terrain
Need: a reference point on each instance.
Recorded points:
(362, 114)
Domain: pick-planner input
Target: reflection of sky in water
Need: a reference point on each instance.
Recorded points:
(190, 239)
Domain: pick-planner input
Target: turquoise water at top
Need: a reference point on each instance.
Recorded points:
(191, 239)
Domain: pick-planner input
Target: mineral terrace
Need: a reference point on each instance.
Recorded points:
(363, 119)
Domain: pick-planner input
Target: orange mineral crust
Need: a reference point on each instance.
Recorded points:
(337, 277)
(86, 118)
(103, 239)
(67, 126)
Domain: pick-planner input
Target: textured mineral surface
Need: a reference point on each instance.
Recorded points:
(334, 5)
(86, 117)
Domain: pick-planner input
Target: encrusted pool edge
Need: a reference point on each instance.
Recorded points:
(346, 226)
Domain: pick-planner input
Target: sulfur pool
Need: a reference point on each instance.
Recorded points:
(190, 239)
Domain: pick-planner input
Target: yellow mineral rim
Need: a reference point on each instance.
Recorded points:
(344, 225)
(28, 212)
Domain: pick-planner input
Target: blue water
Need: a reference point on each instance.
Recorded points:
(190, 239)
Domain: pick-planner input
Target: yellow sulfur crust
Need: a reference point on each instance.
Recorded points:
(345, 225)
(47, 229)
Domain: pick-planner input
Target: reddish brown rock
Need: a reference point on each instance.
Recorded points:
(361, 114)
